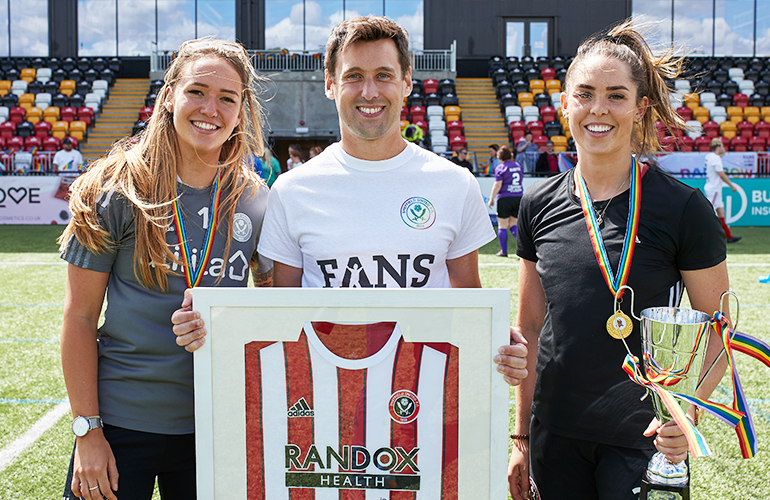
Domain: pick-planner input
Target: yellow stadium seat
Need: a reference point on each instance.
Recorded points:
(34, 114)
(51, 114)
(404, 124)
(67, 87)
(553, 86)
(559, 143)
(78, 130)
(728, 129)
(60, 130)
(751, 114)
(735, 114)
(26, 101)
(692, 101)
(5, 87)
(764, 111)
(452, 114)
(27, 74)
(701, 114)
(537, 86)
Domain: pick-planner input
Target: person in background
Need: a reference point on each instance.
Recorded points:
(271, 168)
(494, 161)
(462, 159)
(507, 190)
(296, 157)
(582, 429)
(547, 162)
(715, 179)
(525, 152)
(315, 151)
(67, 159)
(413, 133)
(183, 189)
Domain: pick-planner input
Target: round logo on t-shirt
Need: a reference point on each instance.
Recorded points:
(242, 227)
(404, 406)
(418, 213)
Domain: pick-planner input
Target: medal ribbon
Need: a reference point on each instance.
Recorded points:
(194, 275)
(656, 378)
(614, 282)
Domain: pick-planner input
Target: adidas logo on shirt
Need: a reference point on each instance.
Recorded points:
(300, 409)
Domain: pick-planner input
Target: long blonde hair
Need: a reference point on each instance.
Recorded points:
(648, 71)
(144, 170)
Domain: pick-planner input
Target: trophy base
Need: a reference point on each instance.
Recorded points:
(665, 480)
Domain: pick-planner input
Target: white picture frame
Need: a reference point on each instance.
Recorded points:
(476, 321)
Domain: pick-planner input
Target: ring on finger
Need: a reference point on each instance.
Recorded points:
(93, 488)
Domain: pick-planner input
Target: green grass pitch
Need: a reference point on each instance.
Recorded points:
(31, 384)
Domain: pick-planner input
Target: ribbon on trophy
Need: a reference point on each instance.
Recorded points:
(656, 378)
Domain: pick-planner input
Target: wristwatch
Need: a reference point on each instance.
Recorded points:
(81, 425)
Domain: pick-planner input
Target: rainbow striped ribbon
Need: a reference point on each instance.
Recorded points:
(732, 340)
(738, 417)
(194, 275)
(614, 282)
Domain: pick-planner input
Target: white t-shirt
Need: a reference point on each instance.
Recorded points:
(393, 223)
(67, 160)
(713, 166)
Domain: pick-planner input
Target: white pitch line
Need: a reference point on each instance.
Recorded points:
(17, 447)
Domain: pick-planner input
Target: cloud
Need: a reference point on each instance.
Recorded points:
(29, 33)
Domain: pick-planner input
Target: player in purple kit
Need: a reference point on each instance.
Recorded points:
(508, 190)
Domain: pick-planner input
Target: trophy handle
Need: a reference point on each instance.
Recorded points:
(617, 298)
(722, 307)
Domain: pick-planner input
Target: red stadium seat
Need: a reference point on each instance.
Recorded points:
(32, 142)
(518, 129)
(539, 140)
(660, 129)
(536, 128)
(703, 144)
(711, 129)
(741, 100)
(430, 86)
(7, 130)
(548, 114)
(68, 114)
(86, 114)
(758, 143)
(422, 124)
(14, 143)
(145, 113)
(17, 114)
(547, 74)
(404, 114)
(762, 129)
(668, 143)
(685, 113)
(43, 129)
(685, 143)
(739, 143)
(745, 129)
(454, 133)
(457, 125)
(457, 142)
(51, 144)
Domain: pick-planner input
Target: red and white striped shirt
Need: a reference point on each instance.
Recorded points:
(351, 412)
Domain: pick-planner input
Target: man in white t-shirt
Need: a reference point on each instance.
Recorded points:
(373, 210)
(67, 159)
(715, 179)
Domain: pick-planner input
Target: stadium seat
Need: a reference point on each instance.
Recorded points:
(92, 101)
(19, 87)
(437, 111)
(26, 101)
(51, 144)
(548, 114)
(745, 129)
(518, 129)
(548, 74)
(537, 86)
(446, 86)
(454, 125)
(27, 74)
(43, 75)
(34, 114)
(728, 129)
(68, 114)
(35, 87)
(740, 100)
(32, 142)
(5, 87)
(67, 87)
(684, 112)
(102, 85)
(701, 114)
(668, 143)
(703, 144)
(14, 143)
(694, 129)
(539, 140)
(414, 99)
(757, 143)
(552, 86)
(60, 101)
(762, 129)
(7, 129)
(526, 99)
(51, 114)
(457, 142)
(60, 129)
(685, 144)
(559, 143)
(17, 114)
(692, 101)
(78, 130)
(450, 100)
(4, 112)
(512, 113)
(452, 113)
(404, 123)
(42, 129)
(739, 144)
(751, 114)
(432, 100)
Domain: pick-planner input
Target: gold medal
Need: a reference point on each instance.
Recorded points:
(619, 325)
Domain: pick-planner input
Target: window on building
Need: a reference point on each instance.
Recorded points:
(27, 28)
(658, 14)
(734, 28)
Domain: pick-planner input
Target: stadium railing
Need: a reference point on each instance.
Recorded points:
(285, 60)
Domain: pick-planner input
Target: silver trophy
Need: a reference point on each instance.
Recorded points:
(674, 341)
